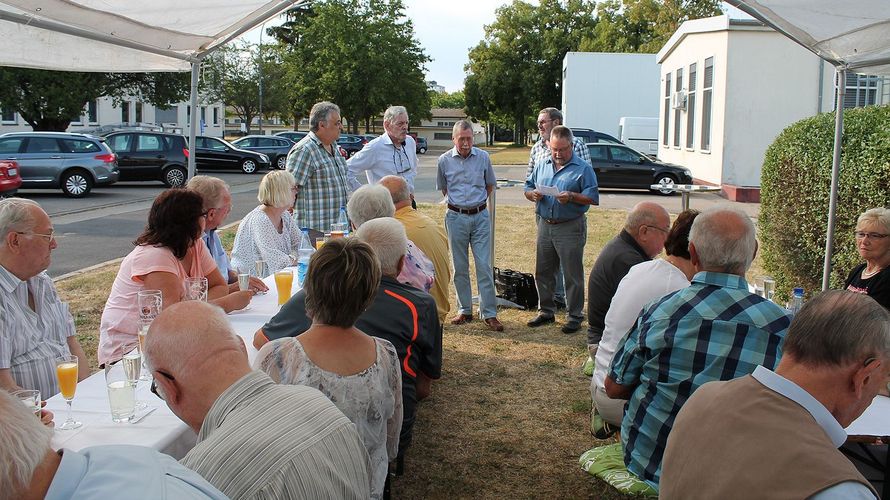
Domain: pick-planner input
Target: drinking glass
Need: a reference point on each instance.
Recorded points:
(338, 230)
(121, 392)
(262, 269)
(66, 373)
(769, 287)
(243, 281)
(31, 399)
(144, 324)
(284, 282)
(149, 302)
(196, 289)
(319, 242)
(758, 286)
(132, 363)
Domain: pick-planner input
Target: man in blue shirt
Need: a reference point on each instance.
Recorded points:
(466, 178)
(715, 329)
(562, 187)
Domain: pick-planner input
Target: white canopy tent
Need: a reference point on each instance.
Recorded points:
(853, 35)
(127, 36)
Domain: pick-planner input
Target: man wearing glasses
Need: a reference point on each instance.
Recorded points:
(35, 325)
(393, 153)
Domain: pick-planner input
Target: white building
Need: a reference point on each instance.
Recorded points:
(729, 87)
(103, 112)
(599, 88)
(437, 130)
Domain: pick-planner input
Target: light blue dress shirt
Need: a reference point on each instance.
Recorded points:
(465, 179)
(211, 239)
(575, 176)
(380, 158)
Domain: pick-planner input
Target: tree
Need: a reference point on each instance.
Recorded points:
(453, 100)
(50, 100)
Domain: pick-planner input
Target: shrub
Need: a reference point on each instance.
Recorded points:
(795, 187)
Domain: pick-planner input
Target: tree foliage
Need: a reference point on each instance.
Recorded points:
(50, 100)
(360, 54)
(794, 191)
(450, 100)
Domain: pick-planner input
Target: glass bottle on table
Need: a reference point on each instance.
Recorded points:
(66, 373)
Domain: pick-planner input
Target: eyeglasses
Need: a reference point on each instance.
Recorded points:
(663, 230)
(871, 236)
(154, 384)
(48, 237)
(541, 122)
(397, 155)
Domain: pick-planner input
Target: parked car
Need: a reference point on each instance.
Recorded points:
(215, 153)
(592, 136)
(294, 135)
(10, 180)
(421, 145)
(370, 137)
(71, 162)
(618, 166)
(151, 156)
(276, 148)
(351, 143)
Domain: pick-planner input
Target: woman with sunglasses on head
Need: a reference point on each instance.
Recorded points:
(167, 252)
(873, 243)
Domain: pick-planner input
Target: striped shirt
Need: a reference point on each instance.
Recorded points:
(264, 440)
(541, 152)
(322, 180)
(715, 329)
(31, 340)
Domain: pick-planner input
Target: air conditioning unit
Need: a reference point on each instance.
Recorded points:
(678, 100)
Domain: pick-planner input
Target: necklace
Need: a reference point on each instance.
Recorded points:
(867, 275)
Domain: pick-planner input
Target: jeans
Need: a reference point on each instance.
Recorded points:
(474, 231)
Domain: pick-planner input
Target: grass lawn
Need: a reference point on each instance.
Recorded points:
(509, 418)
(503, 153)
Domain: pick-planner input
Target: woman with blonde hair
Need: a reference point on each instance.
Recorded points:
(873, 242)
(268, 232)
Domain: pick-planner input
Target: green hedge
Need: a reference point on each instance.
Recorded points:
(795, 185)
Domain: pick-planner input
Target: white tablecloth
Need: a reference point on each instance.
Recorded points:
(875, 421)
(161, 430)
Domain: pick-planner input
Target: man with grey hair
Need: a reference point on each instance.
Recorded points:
(400, 313)
(319, 170)
(36, 327)
(836, 359)
(393, 153)
(32, 469)
(466, 178)
(373, 201)
(256, 438)
(714, 329)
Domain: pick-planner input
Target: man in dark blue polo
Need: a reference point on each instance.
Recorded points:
(562, 187)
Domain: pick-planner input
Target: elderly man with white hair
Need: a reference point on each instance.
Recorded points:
(36, 327)
(393, 153)
(32, 469)
(714, 329)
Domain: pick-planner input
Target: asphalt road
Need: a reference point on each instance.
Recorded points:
(102, 226)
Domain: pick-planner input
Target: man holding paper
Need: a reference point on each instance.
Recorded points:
(562, 187)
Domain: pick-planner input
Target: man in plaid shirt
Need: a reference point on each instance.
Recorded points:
(715, 329)
(319, 170)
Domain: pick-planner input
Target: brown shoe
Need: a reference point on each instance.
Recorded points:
(460, 319)
(493, 324)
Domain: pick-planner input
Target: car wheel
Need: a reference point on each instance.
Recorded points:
(76, 183)
(248, 166)
(665, 180)
(422, 151)
(174, 176)
(281, 162)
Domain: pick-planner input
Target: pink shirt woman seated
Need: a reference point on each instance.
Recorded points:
(168, 251)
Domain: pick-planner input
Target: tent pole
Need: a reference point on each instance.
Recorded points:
(193, 118)
(835, 174)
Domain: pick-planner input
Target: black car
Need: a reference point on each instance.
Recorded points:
(151, 156)
(618, 166)
(351, 143)
(293, 135)
(276, 148)
(213, 153)
(421, 145)
(592, 136)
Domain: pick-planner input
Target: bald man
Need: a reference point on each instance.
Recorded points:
(255, 438)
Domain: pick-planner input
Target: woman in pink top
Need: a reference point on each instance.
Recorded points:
(168, 251)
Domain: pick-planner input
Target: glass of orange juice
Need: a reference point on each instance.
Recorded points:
(66, 373)
(284, 282)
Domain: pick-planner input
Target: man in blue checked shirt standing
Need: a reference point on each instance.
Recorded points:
(563, 187)
(715, 329)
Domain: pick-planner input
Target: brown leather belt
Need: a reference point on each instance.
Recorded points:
(468, 211)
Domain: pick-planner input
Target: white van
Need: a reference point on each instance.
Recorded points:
(639, 133)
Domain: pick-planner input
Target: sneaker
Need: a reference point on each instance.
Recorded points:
(599, 427)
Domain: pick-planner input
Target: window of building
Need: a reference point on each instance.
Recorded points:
(441, 136)
(166, 115)
(8, 114)
(125, 112)
(138, 112)
(203, 115)
(667, 109)
(861, 90)
(446, 124)
(690, 107)
(677, 112)
(706, 96)
(93, 112)
(215, 116)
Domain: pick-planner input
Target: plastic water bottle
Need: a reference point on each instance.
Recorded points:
(343, 221)
(304, 253)
(796, 301)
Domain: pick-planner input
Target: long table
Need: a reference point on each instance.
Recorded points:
(872, 427)
(161, 430)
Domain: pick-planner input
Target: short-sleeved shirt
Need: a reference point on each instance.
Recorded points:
(465, 179)
(214, 246)
(431, 238)
(258, 239)
(321, 177)
(541, 152)
(714, 329)
(576, 176)
(119, 327)
(876, 287)
(31, 340)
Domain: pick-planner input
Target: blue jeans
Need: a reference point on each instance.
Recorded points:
(474, 231)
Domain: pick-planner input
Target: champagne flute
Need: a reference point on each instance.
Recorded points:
(144, 325)
(132, 364)
(262, 269)
(66, 372)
